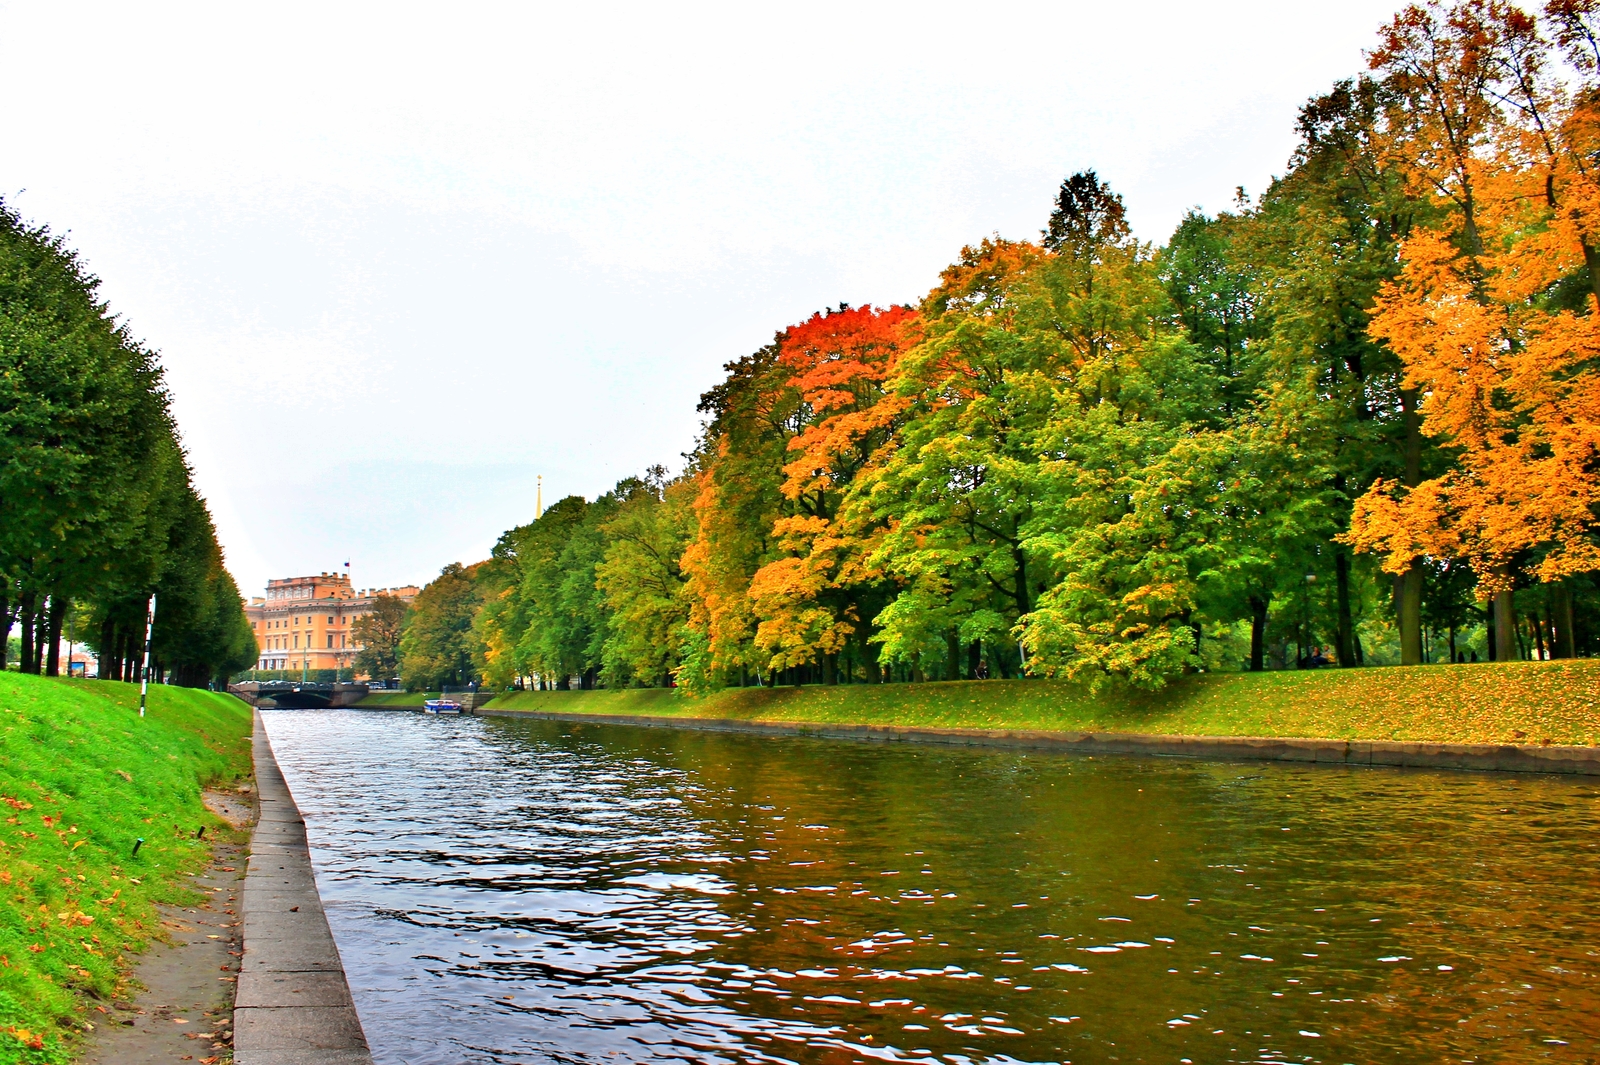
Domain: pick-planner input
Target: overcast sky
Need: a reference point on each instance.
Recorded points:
(401, 259)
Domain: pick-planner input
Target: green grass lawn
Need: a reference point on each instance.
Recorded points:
(82, 777)
(1515, 702)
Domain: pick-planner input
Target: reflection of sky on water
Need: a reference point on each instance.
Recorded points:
(528, 892)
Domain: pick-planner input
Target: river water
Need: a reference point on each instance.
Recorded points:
(527, 891)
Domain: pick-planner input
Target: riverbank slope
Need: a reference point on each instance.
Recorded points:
(82, 776)
(1500, 703)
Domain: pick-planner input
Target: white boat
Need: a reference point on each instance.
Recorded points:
(441, 706)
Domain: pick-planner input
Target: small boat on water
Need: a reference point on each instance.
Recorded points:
(441, 706)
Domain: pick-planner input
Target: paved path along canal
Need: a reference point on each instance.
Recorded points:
(525, 891)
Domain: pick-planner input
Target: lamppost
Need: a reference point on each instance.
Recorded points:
(1305, 618)
(144, 672)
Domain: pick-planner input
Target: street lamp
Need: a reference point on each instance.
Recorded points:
(1305, 618)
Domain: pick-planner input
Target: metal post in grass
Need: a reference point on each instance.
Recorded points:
(144, 673)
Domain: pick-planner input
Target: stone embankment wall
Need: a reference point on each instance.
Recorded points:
(293, 1005)
(1484, 757)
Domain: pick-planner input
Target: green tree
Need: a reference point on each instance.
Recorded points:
(642, 579)
(96, 502)
(437, 646)
(378, 634)
(551, 604)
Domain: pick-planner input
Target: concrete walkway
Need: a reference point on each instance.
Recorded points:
(293, 1005)
(185, 1010)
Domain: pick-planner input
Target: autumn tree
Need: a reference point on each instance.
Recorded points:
(812, 599)
(751, 417)
(1481, 314)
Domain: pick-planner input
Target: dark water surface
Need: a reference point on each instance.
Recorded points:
(521, 891)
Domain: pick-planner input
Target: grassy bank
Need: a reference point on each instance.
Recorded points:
(81, 778)
(1515, 702)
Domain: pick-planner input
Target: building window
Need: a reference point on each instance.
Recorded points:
(297, 639)
(330, 641)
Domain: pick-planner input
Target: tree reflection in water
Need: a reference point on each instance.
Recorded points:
(530, 891)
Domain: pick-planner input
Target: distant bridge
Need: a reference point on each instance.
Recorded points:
(295, 695)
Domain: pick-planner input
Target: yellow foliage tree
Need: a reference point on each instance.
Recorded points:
(1496, 317)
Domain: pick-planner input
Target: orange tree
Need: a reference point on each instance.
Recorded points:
(811, 600)
(1494, 312)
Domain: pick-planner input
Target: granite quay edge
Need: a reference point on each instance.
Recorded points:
(1480, 757)
(292, 1002)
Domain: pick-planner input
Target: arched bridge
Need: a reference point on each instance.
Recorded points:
(267, 694)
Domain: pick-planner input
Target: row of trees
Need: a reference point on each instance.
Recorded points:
(97, 508)
(1356, 419)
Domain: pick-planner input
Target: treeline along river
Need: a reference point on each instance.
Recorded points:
(528, 891)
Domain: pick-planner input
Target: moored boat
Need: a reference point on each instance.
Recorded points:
(441, 706)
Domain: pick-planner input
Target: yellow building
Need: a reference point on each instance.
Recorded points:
(303, 623)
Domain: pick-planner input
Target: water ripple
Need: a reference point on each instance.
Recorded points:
(532, 892)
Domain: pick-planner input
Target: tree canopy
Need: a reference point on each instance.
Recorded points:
(1354, 419)
(97, 506)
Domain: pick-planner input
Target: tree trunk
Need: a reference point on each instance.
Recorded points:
(1408, 586)
(1549, 623)
(108, 641)
(1560, 614)
(974, 659)
(58, 612)
(830, 668)
(29, 657)
(1408, 608)
(5, 631)
(1505, 628)
(952, 655)
(1538, 636)
(1258, 632)
(1592, 261)
(1020, 560)
(1344, 624)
